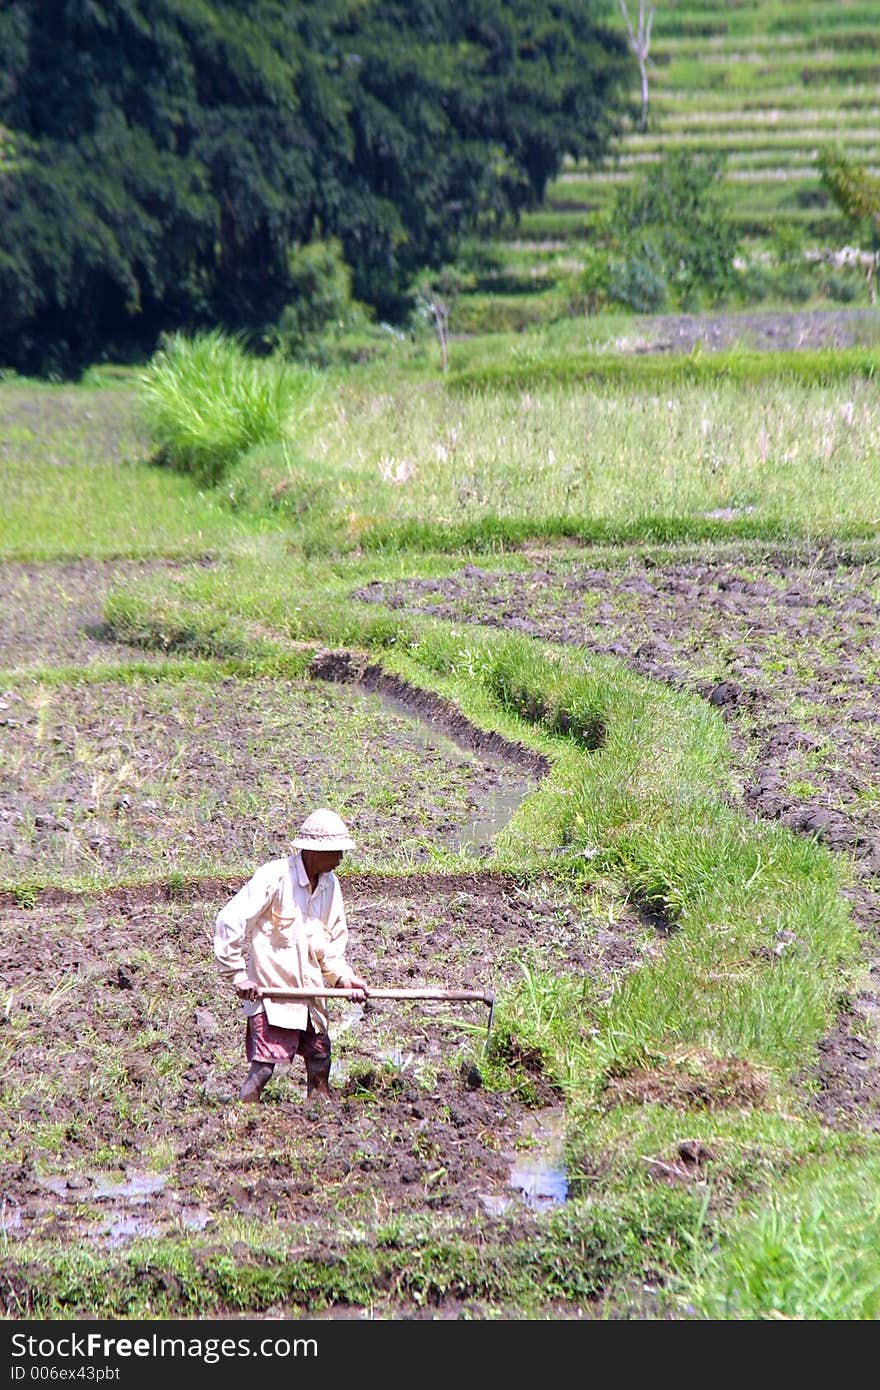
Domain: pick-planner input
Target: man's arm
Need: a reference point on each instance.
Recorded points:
(334, 966)
(231, 927)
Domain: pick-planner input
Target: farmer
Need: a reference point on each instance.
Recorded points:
(285, 930)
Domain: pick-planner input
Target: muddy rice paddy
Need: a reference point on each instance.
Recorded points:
(787, 648)
(124, 1058)
(122, 1055)
(51, 614)
(110, 779)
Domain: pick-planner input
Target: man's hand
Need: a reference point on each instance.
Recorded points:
(247, 990)
(360, 987)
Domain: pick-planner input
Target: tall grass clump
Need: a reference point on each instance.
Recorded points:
(808, 1254)
(206, 402)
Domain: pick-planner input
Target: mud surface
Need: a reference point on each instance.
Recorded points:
(123, 1055)
(787, 649)
(757, 329)
(51, 614)
(108, 779)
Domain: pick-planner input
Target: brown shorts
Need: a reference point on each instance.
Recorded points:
(264, 1042)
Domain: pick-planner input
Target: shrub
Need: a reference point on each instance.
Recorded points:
(794, 284)
(205, 402)
(594, 281)
(639, 283)
(754, 283)
(673, 226)
(320, 306)
(842, 286)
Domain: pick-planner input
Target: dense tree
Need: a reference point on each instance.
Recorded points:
(161, 159)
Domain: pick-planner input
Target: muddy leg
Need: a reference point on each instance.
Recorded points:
(318, 1074)
(257, 1077)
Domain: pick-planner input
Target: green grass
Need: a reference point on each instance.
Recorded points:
(602, 447)
(83, 444)
(805, 17)
(206, 403)
(806, 1253)
(554, 441)
(635, 782)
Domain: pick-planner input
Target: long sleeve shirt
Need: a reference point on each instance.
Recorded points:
(277, 934)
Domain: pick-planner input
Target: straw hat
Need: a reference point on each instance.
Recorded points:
(323, 829)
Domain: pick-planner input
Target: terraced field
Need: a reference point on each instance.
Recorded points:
(763, 85)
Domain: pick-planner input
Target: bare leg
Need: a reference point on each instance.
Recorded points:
(257, 1077)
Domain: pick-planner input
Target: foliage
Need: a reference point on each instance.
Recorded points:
(170, 155)
(595, 278)
(857, 194)
(639, 281)
(671, 235)
(321, 306)
(206, 403)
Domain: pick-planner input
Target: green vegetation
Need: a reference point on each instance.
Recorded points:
(575, 445)
(255, 500)
(858, 196)
(807, 1254)
(206, 403)
(121, 509)
(190, 161)
(644, 804)
(670, 238)
(768, 88)
(635, 801)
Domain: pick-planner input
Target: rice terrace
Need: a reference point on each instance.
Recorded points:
(563, 592)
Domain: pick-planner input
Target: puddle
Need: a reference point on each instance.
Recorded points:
(10, 1218)
(91, 1187)
(137, 1187)
(538, 1175)
(124, 1228)
(195, 1218)
(397, 1058)
(478, 832)
(353, 1018)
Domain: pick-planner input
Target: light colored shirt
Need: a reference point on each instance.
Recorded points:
(277, 934)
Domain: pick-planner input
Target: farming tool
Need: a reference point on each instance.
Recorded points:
(455, 996)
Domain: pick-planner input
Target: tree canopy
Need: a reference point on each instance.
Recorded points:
(161, 159)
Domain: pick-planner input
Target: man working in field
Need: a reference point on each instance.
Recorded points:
(285, 930)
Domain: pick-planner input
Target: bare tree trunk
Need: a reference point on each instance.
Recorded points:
(640, 43)
(441, 319)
